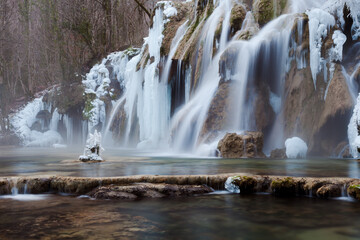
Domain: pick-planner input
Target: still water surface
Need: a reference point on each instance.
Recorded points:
(120, 162)
(203, 217)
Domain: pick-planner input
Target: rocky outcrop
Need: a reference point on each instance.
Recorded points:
(322, 124)
(297, 186)
(150, 186)
(148, 190)
(183, 9)
(238, 14)
(248, 145)
(354, 191)
(278, 153)
(266, 10)
(219, 112)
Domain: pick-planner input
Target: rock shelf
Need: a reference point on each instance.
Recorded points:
(142, 186)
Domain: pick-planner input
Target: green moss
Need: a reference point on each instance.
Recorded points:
(209, 11)
(245, 183)
(264, 11)
(283, 4)
(89, 98)
(284, 187)
(355, 186)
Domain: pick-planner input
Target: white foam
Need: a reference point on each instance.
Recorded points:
(26, 197)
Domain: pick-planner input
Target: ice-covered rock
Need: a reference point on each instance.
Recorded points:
(320, 22)
(230, 186)
(353, 130)
(295, 147)
(92, 148)
(23, 121)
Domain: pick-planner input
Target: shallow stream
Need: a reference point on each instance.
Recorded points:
(203, 217)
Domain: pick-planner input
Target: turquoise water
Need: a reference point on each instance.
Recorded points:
(120, 162)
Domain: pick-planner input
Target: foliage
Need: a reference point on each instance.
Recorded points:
(89, 98)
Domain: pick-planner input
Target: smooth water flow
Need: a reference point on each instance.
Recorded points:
(165, 102)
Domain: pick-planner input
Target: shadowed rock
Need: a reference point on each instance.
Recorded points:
(148, 190)
(278, 153)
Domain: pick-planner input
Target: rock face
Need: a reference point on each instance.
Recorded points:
(238, 14)
(266, 10)
(248, 145)
(218, 114)
(148, 190)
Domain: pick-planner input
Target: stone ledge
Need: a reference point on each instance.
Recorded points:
(247, 183)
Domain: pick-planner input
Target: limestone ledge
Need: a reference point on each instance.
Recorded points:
(179, 185)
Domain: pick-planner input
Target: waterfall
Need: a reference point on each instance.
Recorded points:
(146, 98)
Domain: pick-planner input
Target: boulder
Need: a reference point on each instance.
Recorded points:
(278, 153)
(354, 191)
(284, 186)
(328, 191)
(5, 187)
(247, 145)
(246, 184)
(148, 190)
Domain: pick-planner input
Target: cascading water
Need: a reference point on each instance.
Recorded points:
(164, 102)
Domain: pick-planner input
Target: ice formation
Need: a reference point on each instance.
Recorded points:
(23, 121)
(230, 186)
(92, 148)
(295, 147)
(353, 130)
(320, 22)
(146, 84)
(97, 85)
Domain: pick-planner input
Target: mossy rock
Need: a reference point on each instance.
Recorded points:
(238, 14)
(329, 191)
(266, 10)
(284, 186)
(354, 191)
(246, 184)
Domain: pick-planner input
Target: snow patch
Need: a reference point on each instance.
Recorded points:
(295, 147)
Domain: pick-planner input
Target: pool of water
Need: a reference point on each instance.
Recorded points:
(203, 217)
(120, 162)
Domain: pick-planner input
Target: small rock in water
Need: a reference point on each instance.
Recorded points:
(247, 145)
(278, 153)
(91, 158)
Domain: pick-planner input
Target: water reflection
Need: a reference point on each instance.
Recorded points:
(121, 162)
(202, 217)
